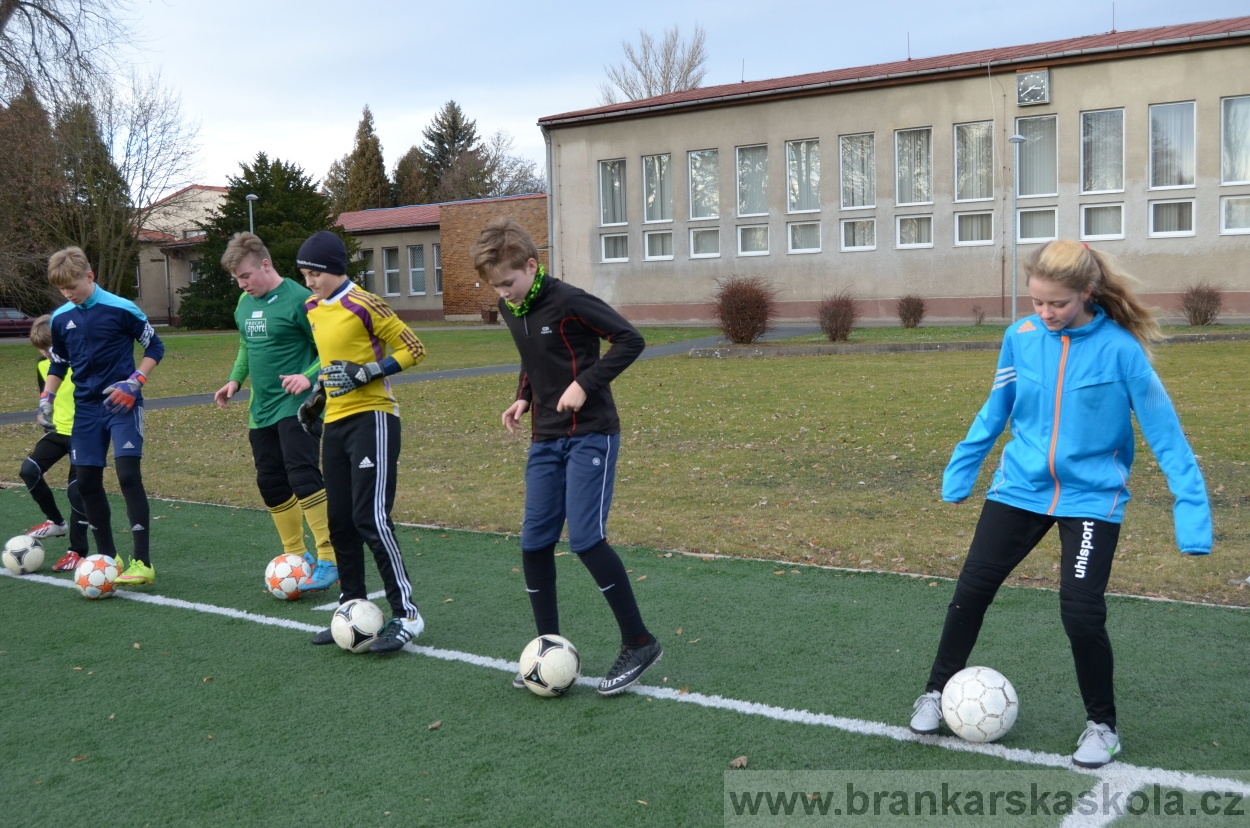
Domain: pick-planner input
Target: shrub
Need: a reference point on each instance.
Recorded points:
(744, 307)
(978, 315)
(837, 315)
(910, 310)
(1202, 303)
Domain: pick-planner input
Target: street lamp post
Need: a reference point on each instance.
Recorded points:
(1016, 140)
(250, 198)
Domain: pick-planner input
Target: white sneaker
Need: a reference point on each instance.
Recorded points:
(927, 713)
(48, 529)
(1097, 746)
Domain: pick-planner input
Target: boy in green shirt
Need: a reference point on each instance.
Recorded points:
(277, 351)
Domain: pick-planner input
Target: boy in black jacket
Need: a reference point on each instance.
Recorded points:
(576, 433)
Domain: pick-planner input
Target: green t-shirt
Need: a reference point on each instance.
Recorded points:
(274, 340)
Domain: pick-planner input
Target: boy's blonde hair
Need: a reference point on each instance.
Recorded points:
(41, 332)
(503, 243)
(67, 267)
(240, 246)
(1077, 266)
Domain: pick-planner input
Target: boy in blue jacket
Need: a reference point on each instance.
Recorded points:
(1069, 380)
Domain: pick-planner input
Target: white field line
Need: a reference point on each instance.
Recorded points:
(1122, 775)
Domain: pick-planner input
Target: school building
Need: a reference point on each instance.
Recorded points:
(917, 177)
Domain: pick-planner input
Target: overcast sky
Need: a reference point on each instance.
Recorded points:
(290, 77)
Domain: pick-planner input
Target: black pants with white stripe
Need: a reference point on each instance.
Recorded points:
(1006, 535)
(359, 458)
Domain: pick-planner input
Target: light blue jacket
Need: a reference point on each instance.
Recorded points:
(1068, 396)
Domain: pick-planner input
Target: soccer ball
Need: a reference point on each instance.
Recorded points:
(285, 574)
(979, 704)
(95, 576)
(23, 554)
(356, 625)
(550, 665)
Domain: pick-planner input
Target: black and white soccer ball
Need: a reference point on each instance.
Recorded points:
(979, 704)
(550, 665)
(23, 554)
(356, 625)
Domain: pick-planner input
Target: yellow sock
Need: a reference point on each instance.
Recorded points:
(314, 507)
(286, 517)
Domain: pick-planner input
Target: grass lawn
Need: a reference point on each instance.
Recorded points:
(969, 333)
(829, 460)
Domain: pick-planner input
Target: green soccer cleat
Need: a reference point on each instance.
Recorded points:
(136, 574)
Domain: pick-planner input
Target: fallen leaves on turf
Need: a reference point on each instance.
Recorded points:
(79, 758)
(739, 763)
(435, 725)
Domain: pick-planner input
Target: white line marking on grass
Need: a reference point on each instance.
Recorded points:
(1122, 775)
(333, 605)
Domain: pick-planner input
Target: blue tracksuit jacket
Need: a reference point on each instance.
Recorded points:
(97, 340)
(1068, 396)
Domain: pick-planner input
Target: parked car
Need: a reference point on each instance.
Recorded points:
(15, 323)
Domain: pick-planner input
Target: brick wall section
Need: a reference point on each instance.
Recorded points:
(460, 223)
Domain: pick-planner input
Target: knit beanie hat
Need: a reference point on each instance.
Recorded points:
(323, 251)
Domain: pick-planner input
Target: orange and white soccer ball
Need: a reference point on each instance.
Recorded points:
(285, 576)
(95, 576)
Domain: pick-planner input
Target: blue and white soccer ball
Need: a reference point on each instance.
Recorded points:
(979, 704)
(23, 554)
(550, 665)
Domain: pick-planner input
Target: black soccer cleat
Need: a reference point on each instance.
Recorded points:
(629, 667)
(323, 637)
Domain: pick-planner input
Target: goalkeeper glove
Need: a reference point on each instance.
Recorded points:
(43, 414)
(122, 395)
(310, 412)
(342, 376)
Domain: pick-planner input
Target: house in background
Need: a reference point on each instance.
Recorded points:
(901, 178)
(170, 246)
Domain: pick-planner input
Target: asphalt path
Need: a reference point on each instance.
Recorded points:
(651, 352)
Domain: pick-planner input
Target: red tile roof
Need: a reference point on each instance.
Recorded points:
(414, 215)
(1103, 46)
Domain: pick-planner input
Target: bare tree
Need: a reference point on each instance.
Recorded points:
(508, 173)
(651, 69)
(56, 46)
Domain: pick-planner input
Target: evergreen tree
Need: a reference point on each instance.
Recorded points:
(411, 186)
(289, 209)
(452, 149)
(358, 181)
(28, 168)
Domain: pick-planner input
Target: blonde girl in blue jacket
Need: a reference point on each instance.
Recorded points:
(1070, 378)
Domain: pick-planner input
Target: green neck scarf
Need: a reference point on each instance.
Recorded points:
(524, 307)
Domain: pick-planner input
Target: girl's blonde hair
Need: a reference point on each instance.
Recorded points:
(1078, 266)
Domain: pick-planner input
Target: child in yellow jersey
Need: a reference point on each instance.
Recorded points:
(47, 452)
(360, 442)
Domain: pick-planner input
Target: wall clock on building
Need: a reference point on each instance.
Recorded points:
(1033, 87)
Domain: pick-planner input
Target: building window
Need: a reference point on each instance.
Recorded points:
(974, 161)
(859, 234)
(138, 284)
(1036, 225)
(612, 192)
(436, 251)
(1102, 151)
(753, 180)
(1102, 221)
(753, 240)
(974, 229)
(614, 248)
(914, 231)
(914, 165)
(390, 270)
(1039, 159)
(1235, 214)
(705, 184)
(367, 273)
(1235, 140)
(705, 243)
(1171, 218)
(657, 188)
(416, 270)
(1172, 145)
(803, 176)
(859, 171)
(658, 246)
(804, 237)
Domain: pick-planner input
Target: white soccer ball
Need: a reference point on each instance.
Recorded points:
(23, 554)
(95, 576)
(550, 665)
(979, 704)
(356, 625)
(285, 576)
